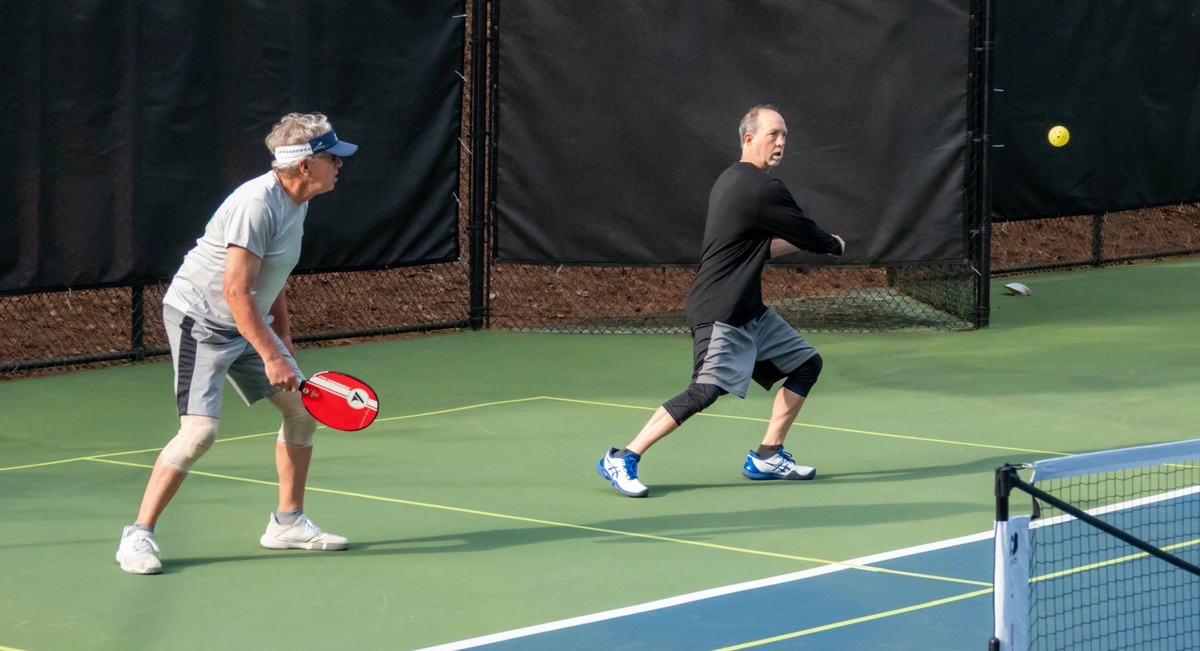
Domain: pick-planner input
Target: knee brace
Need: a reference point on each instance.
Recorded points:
(196, 435)
(696, 399)
(801, 380)
(298, 425)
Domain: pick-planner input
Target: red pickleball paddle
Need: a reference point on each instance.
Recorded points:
(340, 401)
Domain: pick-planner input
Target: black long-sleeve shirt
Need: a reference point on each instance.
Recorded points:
(746, 210)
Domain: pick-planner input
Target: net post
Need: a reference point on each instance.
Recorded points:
(1004, 477)
(1002, 490)
(1010, 577)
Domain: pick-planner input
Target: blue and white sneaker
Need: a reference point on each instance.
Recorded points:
(621, 472)
(778, 466)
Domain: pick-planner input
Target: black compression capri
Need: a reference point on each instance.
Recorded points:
(801, 380)
(696, 399)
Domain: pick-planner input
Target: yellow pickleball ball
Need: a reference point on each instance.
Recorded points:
(1058, 136)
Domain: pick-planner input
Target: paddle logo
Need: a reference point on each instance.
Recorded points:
(358, 399)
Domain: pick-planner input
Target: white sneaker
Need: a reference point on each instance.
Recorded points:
(622, 473)
(301, 534)
(778, 466)
(138, 553)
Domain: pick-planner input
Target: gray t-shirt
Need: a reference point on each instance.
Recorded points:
(259, 217)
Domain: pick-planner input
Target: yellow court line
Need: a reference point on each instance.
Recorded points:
(45, 464)
(828, 427)
(580, 527)
(450, 411)
(8, 648)
(570, 400)
(857, 620)
(246, 480)
(95, 457)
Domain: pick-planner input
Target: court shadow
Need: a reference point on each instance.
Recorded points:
(661, 490)
(178, 565)
(983, 467)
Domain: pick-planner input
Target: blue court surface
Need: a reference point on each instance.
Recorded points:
(932, 597)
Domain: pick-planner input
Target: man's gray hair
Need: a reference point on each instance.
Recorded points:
(749, 123)
(295, 129)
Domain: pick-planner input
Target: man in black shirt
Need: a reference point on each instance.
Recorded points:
(751, 218)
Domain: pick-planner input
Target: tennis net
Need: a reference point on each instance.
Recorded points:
(1107, 557)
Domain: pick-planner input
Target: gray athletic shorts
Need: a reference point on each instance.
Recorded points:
(766, 350)
(204, 357)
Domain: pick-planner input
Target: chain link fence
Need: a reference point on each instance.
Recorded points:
(96, 327)
(633, 299)
(1095, 240)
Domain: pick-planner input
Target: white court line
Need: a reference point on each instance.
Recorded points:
(705, 594)
(1112, 508)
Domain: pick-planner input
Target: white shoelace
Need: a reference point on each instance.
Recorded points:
(619, 470)
(143, 544)
(785, 462)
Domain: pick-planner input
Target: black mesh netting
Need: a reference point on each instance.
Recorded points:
(627, 299)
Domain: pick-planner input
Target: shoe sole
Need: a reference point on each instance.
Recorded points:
(760, 476)
(604, 474)
(319, 546)
(134, 570)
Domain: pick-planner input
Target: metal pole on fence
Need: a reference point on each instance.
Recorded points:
(137, 326)
(493, 136)
(1097, 239)
(981, 240)
(476, 221)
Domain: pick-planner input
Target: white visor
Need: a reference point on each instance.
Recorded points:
(292, 153)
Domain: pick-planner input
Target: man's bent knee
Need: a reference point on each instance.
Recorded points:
(196, 435)
(696, 399)
(298, 425)
(801, 380)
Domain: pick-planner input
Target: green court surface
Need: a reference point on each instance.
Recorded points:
(473, 504)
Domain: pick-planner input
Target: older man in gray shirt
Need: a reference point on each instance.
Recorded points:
(226, 318)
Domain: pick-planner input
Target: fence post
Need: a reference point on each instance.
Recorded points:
(137, 326)
(476, 222)
(1097, 239)
(979, 241)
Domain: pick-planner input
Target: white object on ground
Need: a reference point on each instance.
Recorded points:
(1018, 289)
